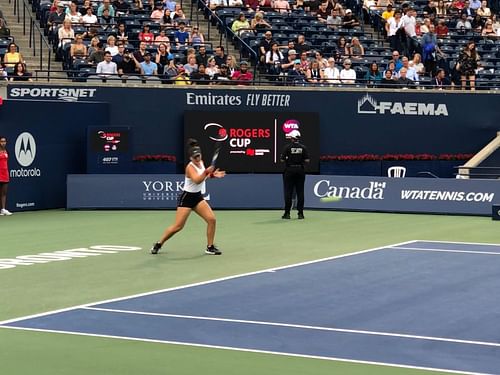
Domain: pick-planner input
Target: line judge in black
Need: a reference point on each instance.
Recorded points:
(294, 156)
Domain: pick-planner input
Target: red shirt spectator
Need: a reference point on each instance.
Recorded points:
(145, 35)
(243, 76)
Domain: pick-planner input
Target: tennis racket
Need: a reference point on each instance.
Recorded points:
(215, 156)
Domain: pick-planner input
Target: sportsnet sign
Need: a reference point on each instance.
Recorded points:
(67, 94)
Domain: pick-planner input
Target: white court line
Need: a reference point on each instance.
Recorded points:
(458, 242)
(444, 251)
(202, 283)
(301, 326)
(253, 351)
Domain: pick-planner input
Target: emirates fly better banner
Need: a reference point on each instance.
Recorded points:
(252, 141)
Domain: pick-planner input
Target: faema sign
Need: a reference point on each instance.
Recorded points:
(369, 105)
(68, 94)
(426, 195)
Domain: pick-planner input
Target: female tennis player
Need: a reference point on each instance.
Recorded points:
(4, 176)
(192, 200)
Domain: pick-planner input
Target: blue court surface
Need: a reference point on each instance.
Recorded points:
(419, 304)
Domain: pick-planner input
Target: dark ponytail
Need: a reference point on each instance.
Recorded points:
(192, 142)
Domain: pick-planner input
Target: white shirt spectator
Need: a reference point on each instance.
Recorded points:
(394, 26)
(235, 3)
(113, 50)
(89, 19)
(106, 68)
(332, 75)
(409, 23)
(348, 76)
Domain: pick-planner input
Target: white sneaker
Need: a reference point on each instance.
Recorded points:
(5, 212)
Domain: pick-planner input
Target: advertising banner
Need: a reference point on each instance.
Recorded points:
(45, 142)
(252, 142)
(427, 195)
(109, 149)
(155, 191)
(265, 191)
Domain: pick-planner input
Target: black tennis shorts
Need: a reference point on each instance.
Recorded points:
(189, 200)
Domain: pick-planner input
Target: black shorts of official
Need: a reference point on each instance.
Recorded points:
(189, 200)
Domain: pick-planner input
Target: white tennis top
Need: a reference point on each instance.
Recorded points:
(189, 185)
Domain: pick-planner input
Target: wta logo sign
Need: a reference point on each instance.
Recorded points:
(25, 151)
(289, 126)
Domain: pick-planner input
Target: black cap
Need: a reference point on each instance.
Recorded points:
(193, 151)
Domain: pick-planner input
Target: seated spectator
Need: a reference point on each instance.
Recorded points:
(196, 38)
(170, 5)
(93, 45)
(148, 68)
(157, 13)
(65, 34)
(231, 64)
(463, 23)
(78, 49)
(323, 63)
(111, 46)
(259, 23)
(342, 48)
(388, 81)
(315, 74)
(106, 67)
(417, 64)
(242, 76)
(119, 56)
(220, 56)
(391, 66)
(55, 4)
(301, 45)
(235, 3)
(373, 75)
(163, 57)
(496, 23)
(166, 20)
(73, 14)
(127, 66)
(214, 4)
(121, 8)
(334, 20)
(424, 28)
(200, 77)
(89, 18)
(477, 23)
(191, 65)
(202, 56)
(442, 8)
(162, 38)
(106, 21)
(266, 5)
(440, 81)
(331, 73)
(274, 58)
(430, 8)
(356, 49)
(396, 60)
(3, 74)
(178, 14)
(289, 60)
(441, 29)
(20, 73)
(106, 5)
(181, 78)
(222, 77)
(474, 5)
(483, 10)
(241, 23)
(55, 19)
(96, 56)
(403, 80)
(281, 6)
(347, 74)
(349, 21)
(297, 75)
(411, 72)
(323, 13)
(146, 35)
(488, 30)
(457, 5)
(12, 56)
(82, 7)
(252, 5)
(212, 69)
(181, 35)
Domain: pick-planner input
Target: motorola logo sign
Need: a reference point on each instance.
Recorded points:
(25, 151)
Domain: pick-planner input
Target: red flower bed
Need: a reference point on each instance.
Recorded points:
(157, 157)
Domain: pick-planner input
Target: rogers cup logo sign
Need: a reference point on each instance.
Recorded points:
(25, 151)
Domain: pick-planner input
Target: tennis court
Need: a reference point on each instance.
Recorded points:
(296, 299)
